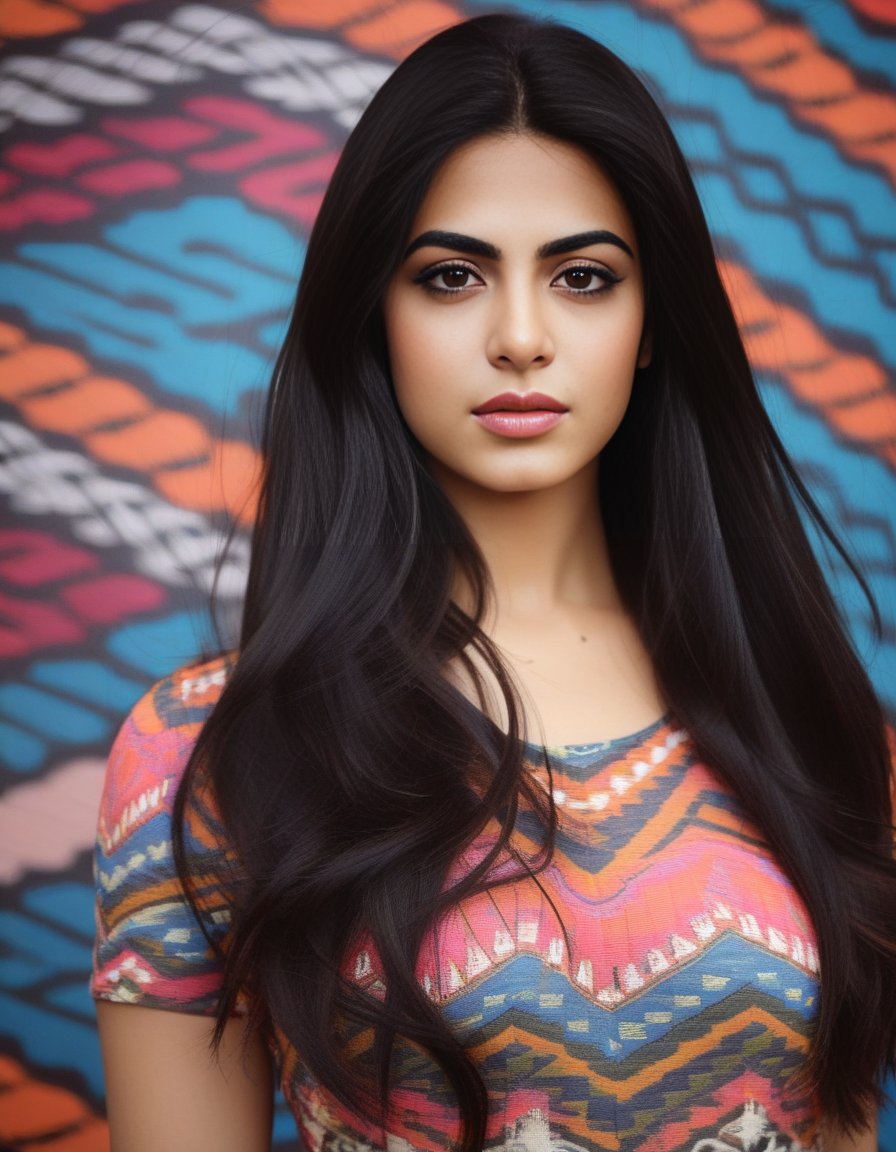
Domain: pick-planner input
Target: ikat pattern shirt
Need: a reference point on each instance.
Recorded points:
(671, 1014)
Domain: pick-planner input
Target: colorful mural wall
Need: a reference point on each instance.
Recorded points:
(160, 167)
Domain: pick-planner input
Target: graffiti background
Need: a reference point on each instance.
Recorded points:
(160, 167)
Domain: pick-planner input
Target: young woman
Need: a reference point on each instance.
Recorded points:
(545, 803)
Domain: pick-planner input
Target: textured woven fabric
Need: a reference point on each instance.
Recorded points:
(671, 1014)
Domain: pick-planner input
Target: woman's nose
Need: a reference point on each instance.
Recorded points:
(519, 334)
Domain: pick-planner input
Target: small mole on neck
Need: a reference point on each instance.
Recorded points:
(583, 638)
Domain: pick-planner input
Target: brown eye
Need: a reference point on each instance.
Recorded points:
(448, 279)
(586, 280)
(579, 277)
(455, 277)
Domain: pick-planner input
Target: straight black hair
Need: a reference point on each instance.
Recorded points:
(350, 773)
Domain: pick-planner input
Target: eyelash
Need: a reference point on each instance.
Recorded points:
(425, 279)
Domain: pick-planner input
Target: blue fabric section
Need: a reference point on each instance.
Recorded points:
(529, 987)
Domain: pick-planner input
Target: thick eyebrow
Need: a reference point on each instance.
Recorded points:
(454, 240)
(458, 242)
(582, 240)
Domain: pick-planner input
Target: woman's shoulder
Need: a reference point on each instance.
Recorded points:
(150, 946)
(180, 703)
(153, 746)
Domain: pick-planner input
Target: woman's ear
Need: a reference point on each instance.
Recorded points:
(645, 348)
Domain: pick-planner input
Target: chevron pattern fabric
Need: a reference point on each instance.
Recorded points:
(655, 989)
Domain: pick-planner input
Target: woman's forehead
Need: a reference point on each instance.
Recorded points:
(521, 188)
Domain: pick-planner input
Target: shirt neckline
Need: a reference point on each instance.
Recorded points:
(591, 748)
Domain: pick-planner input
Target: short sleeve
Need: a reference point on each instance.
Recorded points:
(149, 947)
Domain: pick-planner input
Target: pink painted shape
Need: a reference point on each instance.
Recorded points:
(130, 176)
(26, 626)
(274, 135)
(108, 599)
(46, 824)
(286, 188)
(44, 206)
(161, 133)
(29, 558)
(60, 157)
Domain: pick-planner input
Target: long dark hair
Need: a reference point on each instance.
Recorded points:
(347, 769)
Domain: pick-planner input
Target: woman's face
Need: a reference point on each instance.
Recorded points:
(521, 276)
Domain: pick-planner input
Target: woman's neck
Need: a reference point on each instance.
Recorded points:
(546, 549)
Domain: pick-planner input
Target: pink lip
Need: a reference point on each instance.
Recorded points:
(520, 424)
(520, 402)
(517, 415)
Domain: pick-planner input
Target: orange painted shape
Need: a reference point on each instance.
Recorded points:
(841, 378)
(802, 341)
(10, 336)
(768, 44)
(11, 1072)
(880, 152)
(399, 31)
(670, 5)
(90, 1137)
(753, 312)
(883, 10)
(162, 438)
(864, 116)
(31, 1109)
(810, 76)
(872, 419)
(722, 19)
(750, 306)
(317, 13)
(87, 405)
(227, 481)
(33, 366)
(34, 18)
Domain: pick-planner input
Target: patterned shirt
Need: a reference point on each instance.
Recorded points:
(671, 1013)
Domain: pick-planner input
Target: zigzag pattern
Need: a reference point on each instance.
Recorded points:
(171, 544)
(295, 73)
(784, 59)
(162, 165)
(55, 390)
(279, 165)
(687, 966)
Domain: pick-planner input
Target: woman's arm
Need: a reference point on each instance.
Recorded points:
(164, 1090)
